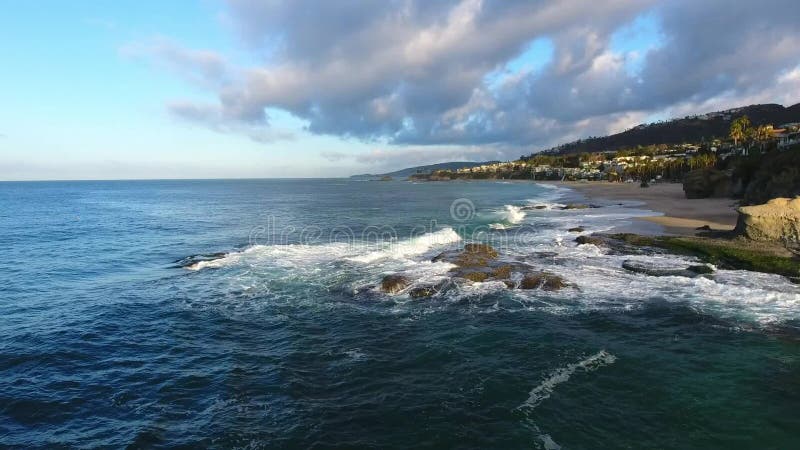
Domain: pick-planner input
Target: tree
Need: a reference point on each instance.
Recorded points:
(762, 135)
(740, 129)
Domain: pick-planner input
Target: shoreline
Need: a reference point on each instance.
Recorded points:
(680, 216)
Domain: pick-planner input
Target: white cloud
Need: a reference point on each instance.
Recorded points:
(415, 72)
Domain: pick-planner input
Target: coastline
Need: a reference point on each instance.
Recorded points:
(681, 216)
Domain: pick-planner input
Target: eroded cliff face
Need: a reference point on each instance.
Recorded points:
(776, 220)
(704, 183)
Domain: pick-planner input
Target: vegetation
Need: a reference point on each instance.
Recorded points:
(771, 175)
(728, 253)
(703, 128)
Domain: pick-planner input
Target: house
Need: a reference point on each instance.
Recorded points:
(786, 139)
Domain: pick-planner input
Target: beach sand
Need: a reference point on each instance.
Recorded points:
(681, 215)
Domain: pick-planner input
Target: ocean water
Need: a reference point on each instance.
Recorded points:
(245, 314)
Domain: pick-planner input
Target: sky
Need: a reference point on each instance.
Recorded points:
(271, 88)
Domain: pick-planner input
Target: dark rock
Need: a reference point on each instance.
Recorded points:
(703, 228)
(708, 182)
(190, 262)
(795, 280)
(542, 280)
(532, 207)
(577, 230)
(591, 240)
(665, 271)
(422, 292)
(701, 269)
(393, 284)
(544, 254)
(578, 206)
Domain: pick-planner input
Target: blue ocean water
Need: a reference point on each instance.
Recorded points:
(245, 314)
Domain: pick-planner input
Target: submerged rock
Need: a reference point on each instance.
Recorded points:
(777, 220)
(193, 261)
(542, 280)
(428, 290)
(393, 284)
(656, 270)
(701, 269)
(578, 206)
(594, 240)
(577, 230)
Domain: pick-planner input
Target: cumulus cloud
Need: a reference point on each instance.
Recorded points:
(414, 72)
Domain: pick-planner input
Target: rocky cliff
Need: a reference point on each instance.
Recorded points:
(776, 220)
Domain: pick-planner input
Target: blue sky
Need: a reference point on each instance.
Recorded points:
(76, 106)
(89, 91)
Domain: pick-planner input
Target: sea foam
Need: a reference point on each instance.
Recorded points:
(410, 247)
(542, 392)
(294, 254)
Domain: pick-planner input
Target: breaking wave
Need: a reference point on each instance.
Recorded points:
(357, 252)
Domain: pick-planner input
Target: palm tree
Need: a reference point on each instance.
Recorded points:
(740, 128)
(762, 135)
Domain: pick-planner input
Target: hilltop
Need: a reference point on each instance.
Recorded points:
(407, 172)
(714, 125)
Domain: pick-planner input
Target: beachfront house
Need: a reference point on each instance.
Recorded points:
(787, 138)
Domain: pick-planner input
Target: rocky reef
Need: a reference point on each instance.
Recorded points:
(726, 253)
(476, 263)
(660, 270)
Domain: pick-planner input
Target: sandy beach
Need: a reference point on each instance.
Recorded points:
(681, 215)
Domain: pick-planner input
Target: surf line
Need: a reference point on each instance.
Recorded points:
(542, 392)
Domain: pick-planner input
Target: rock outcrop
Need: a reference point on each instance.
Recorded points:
(776, 220)
(542, 280)
(481, 262)
(704, 183)
(578, 206)
(392, 284)
(666, 271)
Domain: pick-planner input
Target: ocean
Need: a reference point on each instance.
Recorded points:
(248, 314)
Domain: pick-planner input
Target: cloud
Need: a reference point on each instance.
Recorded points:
(214, 118)
(201, 67)
(415, 72)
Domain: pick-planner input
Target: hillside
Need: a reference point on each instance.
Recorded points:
(405, 173)
(688, 129)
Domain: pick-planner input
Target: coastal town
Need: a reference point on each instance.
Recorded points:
(644, 164)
